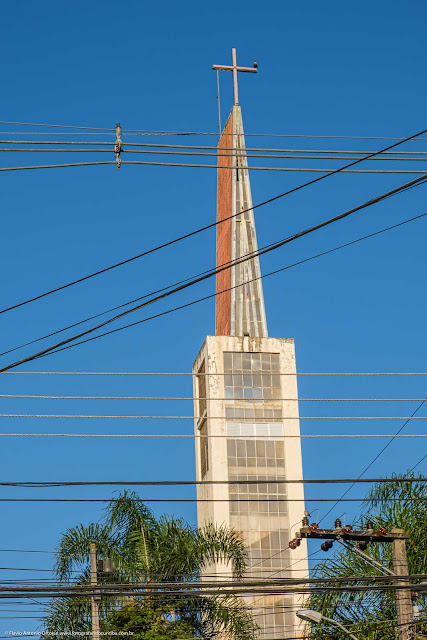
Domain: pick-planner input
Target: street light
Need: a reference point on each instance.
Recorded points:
(309, 615)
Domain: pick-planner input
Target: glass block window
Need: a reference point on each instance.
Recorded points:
(204, 449)
(267, 430)
(252, 376)
(256, 452)
(258, 460)
(257, 412)
(276, 620)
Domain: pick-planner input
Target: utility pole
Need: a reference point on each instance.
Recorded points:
(94, 598)
(396, 537)
(405, 629)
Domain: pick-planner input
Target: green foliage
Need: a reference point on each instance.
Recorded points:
(371, 615)
(148, 622)
(146, 550)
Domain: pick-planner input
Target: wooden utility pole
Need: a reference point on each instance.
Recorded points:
(397, 537)
(405, 629)
(94, 598)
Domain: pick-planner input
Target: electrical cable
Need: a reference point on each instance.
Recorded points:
(160, 132)
(186, 373)
(267, 249)
(327, 172)
(419, 462)
(202, 500)
(214, 224)
(213, 295)
(186, 587)
(238, 150)
(132, 590)
(184, 435)
(185, 483)
(56, 166)
(378, 455)
(20, 395)
(219, 155)
(238, 420)
(347, 244)
(262, 135)
(59, 126)
(184, 306)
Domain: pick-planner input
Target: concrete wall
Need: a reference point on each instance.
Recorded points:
(212, 354)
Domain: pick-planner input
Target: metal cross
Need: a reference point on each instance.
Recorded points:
(234, 68)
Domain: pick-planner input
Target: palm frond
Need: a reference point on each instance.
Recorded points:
(226, 617)
(74, 549)
(220, 543)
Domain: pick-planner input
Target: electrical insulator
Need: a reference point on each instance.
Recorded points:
(293, 544)
(347, 529)
(369, 524)
(314, 527)
(328, 544)
(305, 521)
(381, 531)
(338, 524)
(362, 546)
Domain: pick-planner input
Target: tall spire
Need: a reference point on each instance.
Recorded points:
(239, 301)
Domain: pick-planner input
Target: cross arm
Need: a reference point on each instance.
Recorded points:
(221, 67)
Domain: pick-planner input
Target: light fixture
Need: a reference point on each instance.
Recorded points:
(310, 615)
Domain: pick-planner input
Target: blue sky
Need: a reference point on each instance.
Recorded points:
(324, 69)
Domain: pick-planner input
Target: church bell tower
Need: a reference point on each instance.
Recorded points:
(246, 402)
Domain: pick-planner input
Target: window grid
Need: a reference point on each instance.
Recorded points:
(259, 511)
(252, 376)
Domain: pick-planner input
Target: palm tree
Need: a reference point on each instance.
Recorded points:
(146, 550)
(371, 615)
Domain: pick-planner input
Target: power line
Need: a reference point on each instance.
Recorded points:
(186, 373)
(273, 199)
(187, 587)
(60, 126)
(277, 156)
(239, 152)
(51, 133)
(202, 500)
(232, 582)
(419, 462)
(267, 249)
(56, 166)
(10, 395)
(180, 417)
(132, 590)
(379, 454)
(215, 294)
(180, 483)
(184, 435)
(262, 135)
(204, 133)
(347, 244)
(327, 172)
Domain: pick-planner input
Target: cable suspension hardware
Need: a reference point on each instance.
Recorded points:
(118, 145)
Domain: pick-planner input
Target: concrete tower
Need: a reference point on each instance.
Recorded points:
(245, 392)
